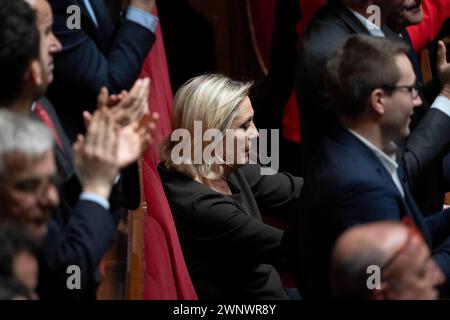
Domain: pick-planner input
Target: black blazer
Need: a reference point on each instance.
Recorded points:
(228, 249)
(81, 242)
(347, 185)
(424, 150)
(110, 55)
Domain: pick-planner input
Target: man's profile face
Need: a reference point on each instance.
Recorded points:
(49, 44)
(27, 192)
(399, 104)
(390, 6)
(413, 13)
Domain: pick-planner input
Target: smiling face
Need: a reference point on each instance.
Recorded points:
(390, 6)
(27, 194)
(411, 14)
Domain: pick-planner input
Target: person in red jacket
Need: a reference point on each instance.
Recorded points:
(435, 14)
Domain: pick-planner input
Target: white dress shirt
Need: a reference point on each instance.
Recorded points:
(442, 103)
(388, 161)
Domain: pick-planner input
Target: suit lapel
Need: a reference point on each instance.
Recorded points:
(408, 203)
(349, 19)
(415, 213)
(102, 13)
(95, 32)
(355, 145)
(390, 34)
(63, 156)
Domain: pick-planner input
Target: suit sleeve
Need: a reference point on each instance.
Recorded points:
(228, 229)
(91, 68)
(439, 226)
(364, 203)
(273, 191)
(428, 142)
(82, 241)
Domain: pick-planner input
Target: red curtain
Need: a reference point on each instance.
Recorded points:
(166, 276)
(263, 25)
(291, 117)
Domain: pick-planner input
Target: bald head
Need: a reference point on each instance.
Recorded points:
(357, 249)
(406, 269)
(384, 238)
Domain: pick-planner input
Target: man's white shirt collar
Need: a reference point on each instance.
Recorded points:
(389, 162)
(373, 29)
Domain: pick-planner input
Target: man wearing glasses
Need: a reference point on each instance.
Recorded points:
(329, 28)
(354, 178)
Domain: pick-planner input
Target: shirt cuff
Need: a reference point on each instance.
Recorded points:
(143, 18)
(88, 196)
(442, 103)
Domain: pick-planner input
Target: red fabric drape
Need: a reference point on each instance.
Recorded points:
(262, 24)
(436, 12)
(291, 117)
(166, 276)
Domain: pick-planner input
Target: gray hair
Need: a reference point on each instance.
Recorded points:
(23, 135)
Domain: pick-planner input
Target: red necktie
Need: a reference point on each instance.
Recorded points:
(43, 115)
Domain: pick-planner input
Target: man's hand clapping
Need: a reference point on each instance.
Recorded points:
(95, 154)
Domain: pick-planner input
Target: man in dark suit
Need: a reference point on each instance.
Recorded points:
(98, 54)
(428, 199)
(29, 196)
(26, 62)
(126, 192)
(331, 26)
(354, 178)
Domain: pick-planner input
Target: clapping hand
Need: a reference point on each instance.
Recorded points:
(95, 154)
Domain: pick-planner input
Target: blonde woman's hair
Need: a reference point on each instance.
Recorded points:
(212, 99)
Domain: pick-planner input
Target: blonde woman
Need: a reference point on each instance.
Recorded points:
(215, 195)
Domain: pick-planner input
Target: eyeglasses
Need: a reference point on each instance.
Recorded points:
(413, 90)
(36, 185)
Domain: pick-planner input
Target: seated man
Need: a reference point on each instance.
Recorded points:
(27, 70)
(429, 140)
(29, 196)
(384, 261)
(354, 177)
